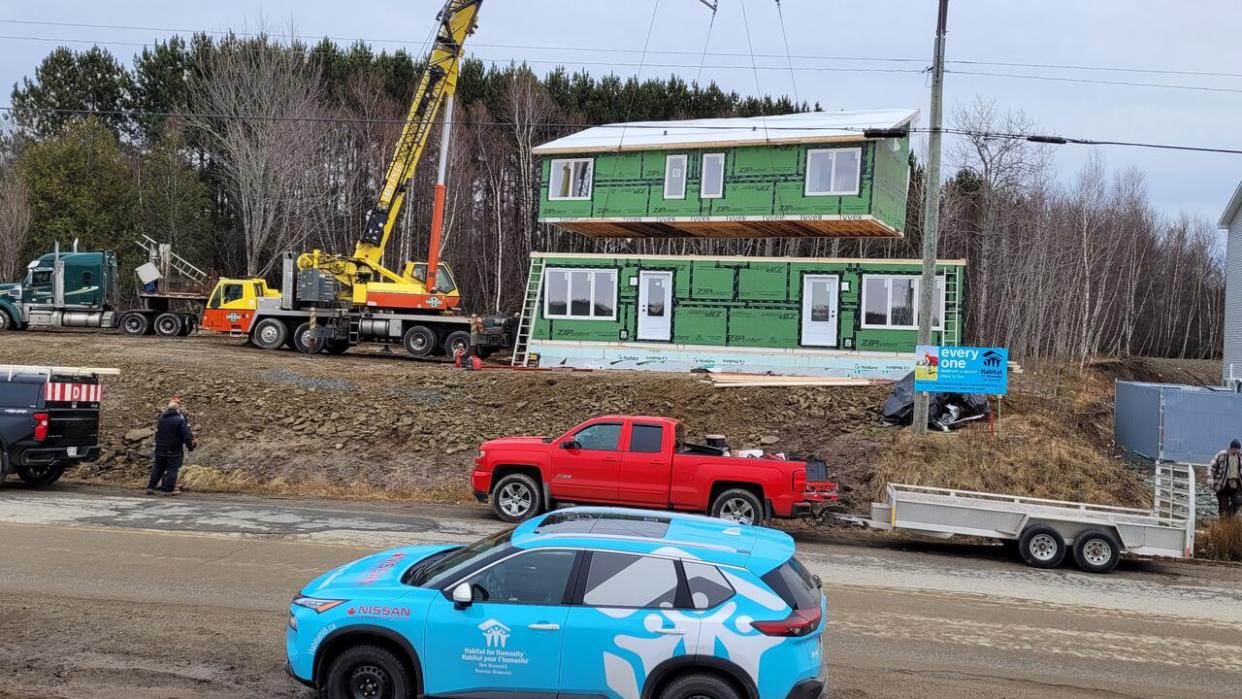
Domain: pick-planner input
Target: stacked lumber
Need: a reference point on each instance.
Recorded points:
(754, 380)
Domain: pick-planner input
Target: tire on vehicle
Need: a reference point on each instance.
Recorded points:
(419, 341)
(134, 323)
(1041, 546)
(517, 497)
(1096, 551)
(168, 324)
(456, 340)
(6, 323)
(484, 351)
(269, 334)
(337, 346)
(304, 343)
(699, 685)
(738, 505)
(366, 671)
(189, 323)
(41, 474)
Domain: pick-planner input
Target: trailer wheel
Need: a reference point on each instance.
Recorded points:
(1042, 546)
(189, 323)
(419, 341)
(135, 324)
(457, 341)
(168, 325)
(269, 334)
(517, 497)
(1096, 551)
(304, 343)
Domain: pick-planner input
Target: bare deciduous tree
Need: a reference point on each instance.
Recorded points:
(269, 95)
(16, 216)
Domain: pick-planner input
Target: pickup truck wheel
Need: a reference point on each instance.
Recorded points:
(1041, 546)
(419, 341)
(269, 334)
(738, 505)
(135, 324)
(1096, 551)
(168, 325)
(517, 497)
(368, 671)
(40, 475)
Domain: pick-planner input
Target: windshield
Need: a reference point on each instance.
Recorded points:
(448, 568)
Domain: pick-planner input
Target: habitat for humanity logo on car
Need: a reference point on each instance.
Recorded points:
(496, 633)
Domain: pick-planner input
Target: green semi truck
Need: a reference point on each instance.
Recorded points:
(81, 290)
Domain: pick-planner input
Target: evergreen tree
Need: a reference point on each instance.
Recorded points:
(174, 206)
(67, 84)
(161, 85)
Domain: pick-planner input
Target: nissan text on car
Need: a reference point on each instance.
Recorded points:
(643, 462)
(581, 602)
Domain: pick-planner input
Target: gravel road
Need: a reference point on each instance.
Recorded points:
(111, 594)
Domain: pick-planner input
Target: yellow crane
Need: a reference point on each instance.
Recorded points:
(363, 278)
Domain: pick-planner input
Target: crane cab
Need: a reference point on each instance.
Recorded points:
(233, 303)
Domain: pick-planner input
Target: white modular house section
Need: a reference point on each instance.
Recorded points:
(1231, 220)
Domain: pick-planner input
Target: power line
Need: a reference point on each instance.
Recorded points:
(600, 49)
(752, 67)
(882, 133)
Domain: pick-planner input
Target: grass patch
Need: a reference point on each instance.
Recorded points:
(1222, 541)
(1032, 455)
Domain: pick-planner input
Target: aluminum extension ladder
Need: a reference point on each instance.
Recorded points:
(530, 309)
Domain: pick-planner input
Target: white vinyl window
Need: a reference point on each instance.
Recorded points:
(711, 180)
(584, 294)
(892, 302)
(675, 177)
(571, 179)
(833, 171)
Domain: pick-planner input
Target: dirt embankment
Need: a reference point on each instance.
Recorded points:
(368, 424)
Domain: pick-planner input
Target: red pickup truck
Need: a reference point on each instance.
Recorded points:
(643, 462)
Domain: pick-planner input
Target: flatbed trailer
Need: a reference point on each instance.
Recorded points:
(1046, 530)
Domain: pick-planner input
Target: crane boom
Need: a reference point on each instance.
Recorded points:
(439, 81)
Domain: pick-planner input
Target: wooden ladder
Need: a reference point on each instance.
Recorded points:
(530, 309)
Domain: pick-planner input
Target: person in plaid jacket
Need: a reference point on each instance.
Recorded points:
(1225, 478)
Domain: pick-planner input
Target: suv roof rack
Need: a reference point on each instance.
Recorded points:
(14, 369)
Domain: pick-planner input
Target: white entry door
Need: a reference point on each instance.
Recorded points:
(819, 309)
(655, 306)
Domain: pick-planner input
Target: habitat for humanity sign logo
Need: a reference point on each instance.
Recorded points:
(941, 369)
(496, 633)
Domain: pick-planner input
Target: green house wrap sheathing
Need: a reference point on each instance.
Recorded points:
(751, 309)
(766, 186)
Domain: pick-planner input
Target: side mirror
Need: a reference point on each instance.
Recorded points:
(571, 444)
(818, 583)
(463, 596)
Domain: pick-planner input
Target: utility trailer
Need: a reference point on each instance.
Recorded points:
(1046, 530)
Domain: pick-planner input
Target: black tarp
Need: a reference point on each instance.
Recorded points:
(945, 411)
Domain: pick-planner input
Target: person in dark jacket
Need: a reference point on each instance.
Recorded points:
(1225, 478)
(172, 434)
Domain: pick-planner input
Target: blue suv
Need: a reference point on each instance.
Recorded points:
(582, 602)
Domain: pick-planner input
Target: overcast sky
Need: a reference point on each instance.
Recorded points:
(1199, 36)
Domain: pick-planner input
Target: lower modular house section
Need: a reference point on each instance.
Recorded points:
(801, 316)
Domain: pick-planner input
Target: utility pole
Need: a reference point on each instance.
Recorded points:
(931, 209)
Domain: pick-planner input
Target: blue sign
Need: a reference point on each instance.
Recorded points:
(961, 369)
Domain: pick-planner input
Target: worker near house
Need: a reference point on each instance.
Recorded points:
(172, 435)
(1225, 477)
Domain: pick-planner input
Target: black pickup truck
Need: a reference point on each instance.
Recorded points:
(49, 421)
